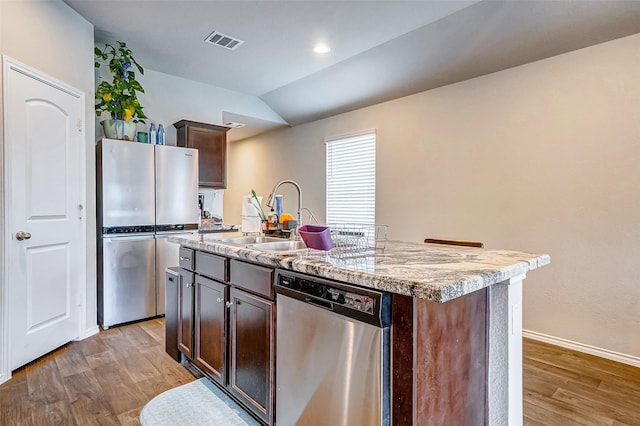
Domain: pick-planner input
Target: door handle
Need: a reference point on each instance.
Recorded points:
(229, 304)
(22, 235)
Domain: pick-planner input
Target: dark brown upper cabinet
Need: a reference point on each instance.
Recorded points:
(211, 142)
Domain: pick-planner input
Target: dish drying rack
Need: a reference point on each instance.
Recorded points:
(355, 239)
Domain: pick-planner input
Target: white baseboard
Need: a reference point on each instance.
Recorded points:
(581, 347)
(5, 378)
(90, 332)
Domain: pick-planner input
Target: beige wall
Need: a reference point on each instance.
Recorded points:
(52, 38)
(168, 99)
(544, 157)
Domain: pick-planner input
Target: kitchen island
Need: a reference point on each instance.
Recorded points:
(456, 322)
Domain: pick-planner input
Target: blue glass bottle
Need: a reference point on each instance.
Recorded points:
(153, 134)
(160, 135)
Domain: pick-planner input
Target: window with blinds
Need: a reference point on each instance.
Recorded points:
(351, 179)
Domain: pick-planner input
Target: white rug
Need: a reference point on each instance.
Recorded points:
(196, 403)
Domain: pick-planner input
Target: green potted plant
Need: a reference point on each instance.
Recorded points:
(119, 97)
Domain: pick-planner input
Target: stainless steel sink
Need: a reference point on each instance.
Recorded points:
(250, 239)
(279, 246)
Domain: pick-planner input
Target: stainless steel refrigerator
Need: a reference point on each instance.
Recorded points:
(145, 193)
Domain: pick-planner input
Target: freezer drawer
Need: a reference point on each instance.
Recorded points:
(127, 291)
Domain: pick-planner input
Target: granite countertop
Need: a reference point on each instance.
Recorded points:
(428, 271)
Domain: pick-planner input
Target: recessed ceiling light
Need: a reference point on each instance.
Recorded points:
(321, 48)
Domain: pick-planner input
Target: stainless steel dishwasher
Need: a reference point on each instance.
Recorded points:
(332, 353)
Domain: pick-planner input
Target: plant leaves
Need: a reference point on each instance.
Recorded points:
(121, 92)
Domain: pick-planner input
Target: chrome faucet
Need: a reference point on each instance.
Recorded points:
(275, 191)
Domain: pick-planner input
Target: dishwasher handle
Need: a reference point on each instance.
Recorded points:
(319, 303)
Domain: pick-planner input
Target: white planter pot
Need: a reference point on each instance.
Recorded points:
(119, 129)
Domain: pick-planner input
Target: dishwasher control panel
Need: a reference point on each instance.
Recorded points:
(332, 293)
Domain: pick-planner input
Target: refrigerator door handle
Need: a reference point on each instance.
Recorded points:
(167, 234)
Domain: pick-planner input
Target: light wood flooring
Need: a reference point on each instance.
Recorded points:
(107, 379)
(563, 387)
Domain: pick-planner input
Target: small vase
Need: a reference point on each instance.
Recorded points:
(119, 129)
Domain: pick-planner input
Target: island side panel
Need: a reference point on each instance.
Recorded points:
(402, 356)
(451, 361)
(505, 357)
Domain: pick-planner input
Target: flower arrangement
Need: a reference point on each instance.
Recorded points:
(119, 98)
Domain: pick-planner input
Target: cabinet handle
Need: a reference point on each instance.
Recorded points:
(229, 304)
(219, 300)
(185, 258)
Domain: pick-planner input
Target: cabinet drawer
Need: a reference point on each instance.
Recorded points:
(256, 279)
(211, 265)
(187, 260)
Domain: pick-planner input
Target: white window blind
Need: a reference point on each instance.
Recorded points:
(351, 179)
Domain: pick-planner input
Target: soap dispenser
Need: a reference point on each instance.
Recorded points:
(273, 220)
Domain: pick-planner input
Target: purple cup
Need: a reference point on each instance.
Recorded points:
(316, 236)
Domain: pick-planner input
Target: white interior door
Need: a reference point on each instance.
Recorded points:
(43, 151)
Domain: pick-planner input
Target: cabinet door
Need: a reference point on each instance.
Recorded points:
(211, 142)
(251, 375)
(185, 313)
(212, 155)
(210, 328)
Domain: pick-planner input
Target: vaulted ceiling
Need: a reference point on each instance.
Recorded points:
(380, 50)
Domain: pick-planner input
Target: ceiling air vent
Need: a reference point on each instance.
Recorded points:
(223, 40)
(233, 124)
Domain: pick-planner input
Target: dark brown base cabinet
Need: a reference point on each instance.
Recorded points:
(229, 332)
(210, 328)
(252, 373)
(185, 313)
(226, 326)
